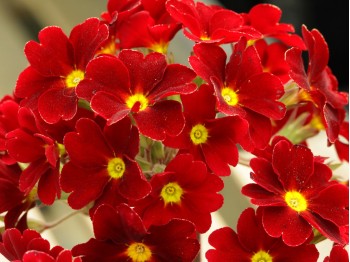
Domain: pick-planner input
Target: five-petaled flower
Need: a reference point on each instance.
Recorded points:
(120, 235)
(252, 243)
(137, 85)
(99, 158)
(184, 190)
(57, 65)
(295, 193)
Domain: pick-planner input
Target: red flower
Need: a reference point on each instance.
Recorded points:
(14, 202)
(99, 158)
(241, 87)
(209, 139)
(121, 236)
(295, 194)
(184, 190)
(57, 65)
(137, 85)
(152, 28)
(265, 18)
(252, 244)
(338, 254)
(209, 23)
(28, 144)
(318, 85)
(31, 247)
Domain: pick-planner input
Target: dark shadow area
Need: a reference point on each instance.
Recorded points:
(330, 18)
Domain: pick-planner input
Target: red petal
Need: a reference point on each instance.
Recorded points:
(297, 71)
(86, 38)
(104, 73)
(285, 222)
(32, 174)
(54, 55)
(110, 107)
(294, 165)
(56, 104)
(86, 184)
(164, 118)
(48, 187)
(87, 146)
(35, 256)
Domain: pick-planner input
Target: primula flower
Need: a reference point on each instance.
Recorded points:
(57, 65)
(152, 28)
(241, 87)
(14, 202)
(137, 85)
(121, 236)
(101, 157)
(318, 85)
(117, 12)
(252, 244)
(28, 144)
(265, 18)
(209, 139)
(184, 190)
(31, 247)
(295, 194)
(338, 254)
(209, 23)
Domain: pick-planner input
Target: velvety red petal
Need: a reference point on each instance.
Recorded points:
(302, 253)
(296, 64)
(261, 196)
(24, 147)
(32, 174)
(174, 240)
(264, 175)
(31, 82)
(54, 55)
(86, 38)
(123, 137)
(294, 165)
(209, 60)
(176, 80)
(164, 118)
(87, 146)
(10, 196)
(263, 100)
(35, 256)
(85, 184)
(56, 104)
(48, 187)
(326, 227)
(333, 119)
(227, 247)
(104, 73)
(66, 256)
(110, 107)
(251, 233)
(133, 185)
(286, 222)
(145, 71)
(338, 254)
(332, 204)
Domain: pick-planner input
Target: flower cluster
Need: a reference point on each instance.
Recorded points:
(106, 120)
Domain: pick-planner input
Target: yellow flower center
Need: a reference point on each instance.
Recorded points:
(137, 98)
(171, 193)
(160, 47)
(199, 134)
(316, 122)
(296, 201)
(229, 96)
(261, 256)
(74, 78)
(139, 252)
(116, 167)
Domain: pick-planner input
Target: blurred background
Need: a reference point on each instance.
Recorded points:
(21, 20)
